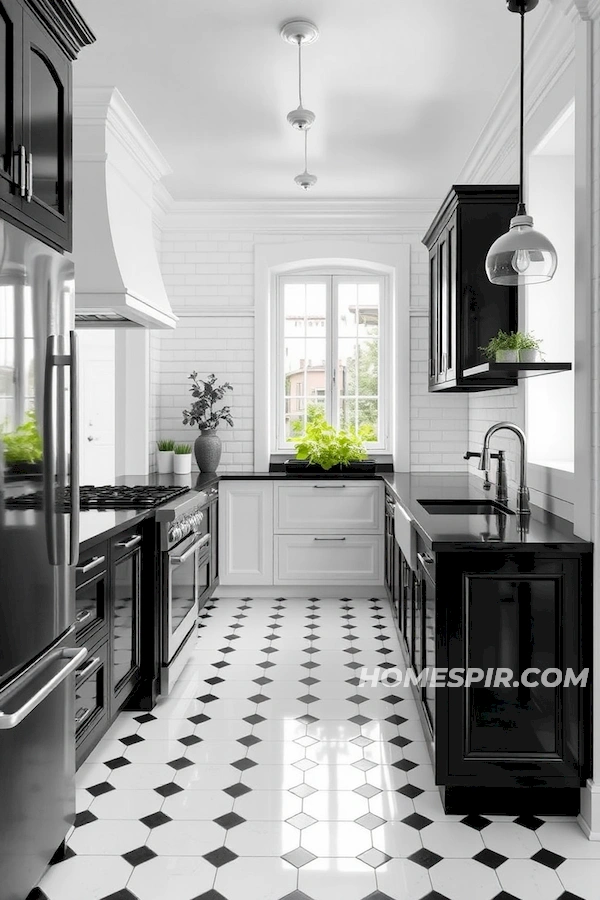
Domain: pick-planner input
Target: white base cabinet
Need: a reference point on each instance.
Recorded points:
(301, 532)
(328, 559)
(246, 532)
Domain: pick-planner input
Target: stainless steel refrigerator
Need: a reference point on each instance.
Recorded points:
(38, 550)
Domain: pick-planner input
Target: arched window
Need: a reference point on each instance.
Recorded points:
(332, 354)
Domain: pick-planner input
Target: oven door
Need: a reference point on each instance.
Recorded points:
(182, 591)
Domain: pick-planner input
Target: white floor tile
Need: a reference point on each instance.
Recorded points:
(511, 840)
(581, 877)
(341, 878)
(263, 838)
(264, 806)
(451, 839)
(453, 878)
(101, 875)
(206, 777)
(529, 880)
(188, 837)
(336, 839)
(172, 877)
(126, 804)
(567, 839)
(256, 878)
(402, 879)
(336, 806)
(396, 839)
(197, 805)
(108, 837)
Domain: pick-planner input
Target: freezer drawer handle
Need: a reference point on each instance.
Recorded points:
(74, 656)
(132, 542)
(83, 616)
(92, 564)
(329, 539)
(82, 714)
(425, 559)
(89, 668)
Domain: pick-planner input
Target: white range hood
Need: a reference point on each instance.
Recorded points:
(115, 168)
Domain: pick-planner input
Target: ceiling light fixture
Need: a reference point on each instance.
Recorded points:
(301, 32)
(522, 255)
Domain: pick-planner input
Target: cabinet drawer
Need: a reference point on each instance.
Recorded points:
(126, 542)
(329, 559)
(91, 606)
(322, 506)
(91, 700)
(91, 563)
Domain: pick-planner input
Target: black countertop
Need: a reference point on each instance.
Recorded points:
(539, 531)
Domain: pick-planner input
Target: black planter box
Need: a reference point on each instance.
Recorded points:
(299, 468)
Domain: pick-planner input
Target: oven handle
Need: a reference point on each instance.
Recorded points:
(191, 550)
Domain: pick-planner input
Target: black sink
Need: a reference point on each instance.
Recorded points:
(464, 507)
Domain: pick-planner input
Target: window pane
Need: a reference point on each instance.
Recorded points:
(368, 418)
(348, 413)
(347, 310)
(368, 368)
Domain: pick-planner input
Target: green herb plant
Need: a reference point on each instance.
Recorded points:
(24, 444)
(325, 446)
(206, 394)
(166, 444)
(182, 449)
(514, 340)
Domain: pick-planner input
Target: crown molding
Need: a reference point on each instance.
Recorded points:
(550, 51)
(586, 10)
(294, 216)
(106, 106)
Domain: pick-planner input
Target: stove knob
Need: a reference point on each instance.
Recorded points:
(175, 533)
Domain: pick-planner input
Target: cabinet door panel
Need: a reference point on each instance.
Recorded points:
(451, 348)
(246, 533)
(47, 132)
(429, 645)
(11, 18)
(434, 339)
(126, 619)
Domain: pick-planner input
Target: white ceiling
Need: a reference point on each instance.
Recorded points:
(401, 89)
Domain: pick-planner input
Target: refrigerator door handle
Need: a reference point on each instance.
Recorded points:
(75, 657)
(50, 459)
(74, 388)
(52, 395)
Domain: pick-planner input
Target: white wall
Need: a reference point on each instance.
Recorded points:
(209, 276)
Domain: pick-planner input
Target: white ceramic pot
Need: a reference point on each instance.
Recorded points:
(182, 463)
(507, 356)
(529, 356)
(164, 460)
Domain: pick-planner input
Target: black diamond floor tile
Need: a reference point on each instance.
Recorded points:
(168, 790)
(243, 764)
(359, 720)
(416, 820)
(214, 680)
(566, 896)
(425, 858)
(145, 717)
(210, 895)
(410, 790)
(180, 763)
(207, 698)
(490, 858)
(249, 740)
(131, 739)
(296, 895)
(530, 822)
(262, 680)
(237, 790)
(396, 720)
(229, 820)
(117, 763)
(476, 822)
(154, 820)
(309, 681)
(405, 765)
(258, 698)
(220, 857)
(190, 740)
(307, 719)
(138, 856)
(378, 895)
(400, 741)
(266, 665)
(124, 894)
(549, 859)
(84, 818)
(199, 719)
(96, 790)
(62, 855)
(434, 895)
(36, 894)
(220, 665)
(254, 719)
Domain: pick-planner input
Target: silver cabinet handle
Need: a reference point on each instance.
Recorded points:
(132, 542)
(329, 539)
(22, 171)
(29, 178)
(74, 656)
(195, 546)
(89, 668)
(92, 564)
(425, 559)
(329, 487)
(82, 714)
(83, 616)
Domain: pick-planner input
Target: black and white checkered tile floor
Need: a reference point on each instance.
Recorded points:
(268, 774)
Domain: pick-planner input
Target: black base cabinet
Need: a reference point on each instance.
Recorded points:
(501, 745)
(117, 610)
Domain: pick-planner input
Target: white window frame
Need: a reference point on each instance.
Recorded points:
(332, 277)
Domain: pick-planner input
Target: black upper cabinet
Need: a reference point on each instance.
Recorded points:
(38, 41)
(466, 310)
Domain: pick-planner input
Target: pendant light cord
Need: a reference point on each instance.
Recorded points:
(521, 207)
(300, 72)
(306, 150)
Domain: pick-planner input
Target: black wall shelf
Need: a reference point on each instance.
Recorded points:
(498, 370)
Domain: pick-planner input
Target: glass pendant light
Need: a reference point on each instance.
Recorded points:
(299, 32)
(522, 255)
(305, 180)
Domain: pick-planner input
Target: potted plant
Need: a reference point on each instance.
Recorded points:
(23, 447)
(529, 348)
(503, 347)
(182, 459)
(164, 456)
(323, 448)
(202, 413)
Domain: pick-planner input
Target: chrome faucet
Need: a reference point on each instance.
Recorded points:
(484, 464)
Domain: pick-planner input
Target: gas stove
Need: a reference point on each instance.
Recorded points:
(140, 496)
